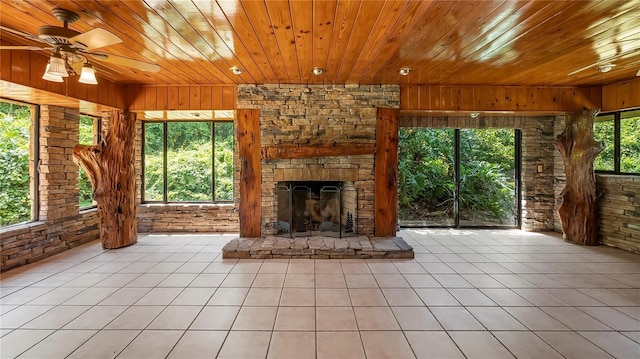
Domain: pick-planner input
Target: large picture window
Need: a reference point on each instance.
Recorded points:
(619, 132)
(188, 161)
(18, 153)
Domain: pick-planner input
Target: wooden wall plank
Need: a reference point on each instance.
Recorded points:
(386, 173)
(172, 98)
(150, 97)
(248, 135)
(194, 98)
(228, 97)
(183, 97)
(621, 96)
(162, 98)
(501, 98)
(205, 97)
(25, 68)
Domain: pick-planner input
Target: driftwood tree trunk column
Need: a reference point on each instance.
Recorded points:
(578, 207)
(110, 168)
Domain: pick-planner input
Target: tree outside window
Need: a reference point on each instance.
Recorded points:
(188, 161)
(16, 176)
(619, 132)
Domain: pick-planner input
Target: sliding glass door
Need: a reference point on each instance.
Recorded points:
(426, 168)
(459, 178)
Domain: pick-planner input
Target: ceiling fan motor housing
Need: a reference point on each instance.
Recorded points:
(56, 35)
(59, 35)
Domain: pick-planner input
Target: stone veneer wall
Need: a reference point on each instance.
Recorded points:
(618, 205)
(317, 115)
(537, 148)
(184, 217)
(61, 225)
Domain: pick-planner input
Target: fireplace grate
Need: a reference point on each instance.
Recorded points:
(316, 208)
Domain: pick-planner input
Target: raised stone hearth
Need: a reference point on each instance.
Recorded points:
(361, 247)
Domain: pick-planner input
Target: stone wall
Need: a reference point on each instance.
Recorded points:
(537, 149)
(318, 115)
(61, 225)
(618, 204)
(187, 218)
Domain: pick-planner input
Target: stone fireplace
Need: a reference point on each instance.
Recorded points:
(317, 172)
(317, 117)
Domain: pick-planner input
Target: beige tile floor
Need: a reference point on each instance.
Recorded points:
(467, 293)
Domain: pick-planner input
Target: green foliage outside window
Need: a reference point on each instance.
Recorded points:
(86, 137)
(194, 163)
(604, 130)
(427, 175)
(15, 191)
(630, 145)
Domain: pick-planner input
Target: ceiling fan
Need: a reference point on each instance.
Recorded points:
(71, 49)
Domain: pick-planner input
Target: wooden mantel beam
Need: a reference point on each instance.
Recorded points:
(291, 152)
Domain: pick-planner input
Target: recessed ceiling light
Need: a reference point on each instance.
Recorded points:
(317, 71)
(605, 67)
(236, 70)
(474, 114)
(404, 71)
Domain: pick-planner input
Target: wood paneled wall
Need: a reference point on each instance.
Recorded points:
(248, 135)
(183, 97)
(499, 98)
(386, 172)
(26, 68)
(621, 96)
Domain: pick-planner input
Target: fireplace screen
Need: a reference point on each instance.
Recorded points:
(316, 208)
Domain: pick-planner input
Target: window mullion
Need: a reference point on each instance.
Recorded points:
(213, 161)
(616, 143)
(164, 161)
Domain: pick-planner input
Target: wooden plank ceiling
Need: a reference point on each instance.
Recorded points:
(277, 41)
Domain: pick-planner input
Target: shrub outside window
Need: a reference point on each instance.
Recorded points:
(18, 153)
(187, 161)
(619, 132)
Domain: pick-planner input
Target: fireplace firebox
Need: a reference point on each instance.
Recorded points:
(316, 208)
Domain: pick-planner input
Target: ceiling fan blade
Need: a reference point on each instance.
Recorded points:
(125, 61)
(26, 35)
(26, 47)
(95, 39)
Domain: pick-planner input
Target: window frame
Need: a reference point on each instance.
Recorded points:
(34, 162)
(97, 137)
(618, 116)
(165, 163)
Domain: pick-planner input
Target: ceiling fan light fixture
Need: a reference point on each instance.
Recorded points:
(404, 71)
(57, 65)
(604, 68)
(88, 75)
(317, 71)
(474, 114)
(49, 77)
(236, 70)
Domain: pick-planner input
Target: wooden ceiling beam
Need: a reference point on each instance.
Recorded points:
(529, 99)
